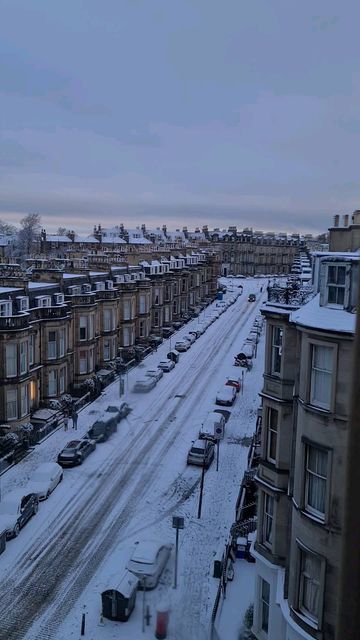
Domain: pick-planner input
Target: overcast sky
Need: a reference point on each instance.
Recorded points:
(183, 112)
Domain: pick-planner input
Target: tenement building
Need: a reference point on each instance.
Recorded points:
(301, 483)
(60, 326)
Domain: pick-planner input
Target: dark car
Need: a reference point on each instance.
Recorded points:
(75, 452)
(167, 332)
(122, 410)
(16, 508)
(102, 429)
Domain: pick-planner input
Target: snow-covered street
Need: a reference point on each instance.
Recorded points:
(129, 489)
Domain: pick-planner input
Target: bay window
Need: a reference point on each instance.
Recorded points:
(23, 358)
(11, 360)
(126, 336)
(276, 349)
(11, 404)
(127, 309)
(52, 345)
(24, 400)
(61, 343)
(83, 362)
(311, 579)
(83, 328)
(316, 471)
(272, 429)
(268, 519)
(62, 380)
(31, 348)
(142, 304)
(52, 382)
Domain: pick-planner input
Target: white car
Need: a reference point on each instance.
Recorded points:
(155, 373)
(166, 365)
(45, 479)
(190, 338)
(226, 395)
(16, 508)
(182, 345)
(144, 384)
(148, 561)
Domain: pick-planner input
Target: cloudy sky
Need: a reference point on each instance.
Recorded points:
(183, 112)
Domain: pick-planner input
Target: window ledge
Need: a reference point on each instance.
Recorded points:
(310, 623)
(314, 408)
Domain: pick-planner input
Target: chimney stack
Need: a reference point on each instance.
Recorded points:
(346, 220)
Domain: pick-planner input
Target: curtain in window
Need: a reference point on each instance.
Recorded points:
(311, 568)
(316, 478)
(322, 375)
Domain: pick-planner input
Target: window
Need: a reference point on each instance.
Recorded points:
(335, 283)
(141, 328)
(11, 357)
(309, 584)
(52, 382)
(126, 336)
(24, 400)
(142, 304)
(91, 327)
(127, 309)
(11, 404)
(264, 604)
(31, 348)
(321, 376)
(83, 328)
(5, 308)
(272, 428)
(276, 349)
(156, 295)
(108, 320)
(83, 362)
(156, 318)
(316, 462)
(106, 349)
(62, 380)
(91, 360)
(61, 343)
(52, 345)
(268, 519)
(23, 358)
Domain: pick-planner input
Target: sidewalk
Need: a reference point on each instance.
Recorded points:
(239, 595)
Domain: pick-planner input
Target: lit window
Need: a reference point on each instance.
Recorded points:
(276, 349)
(264, 604)
(316, 461)
(268, 519)
(309, 585)
(336, 276)
(11, 404)
(321, 376)
(11, 357)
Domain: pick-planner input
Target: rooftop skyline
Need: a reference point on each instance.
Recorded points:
(179, 113)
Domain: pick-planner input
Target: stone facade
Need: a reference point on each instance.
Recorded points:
(301, 484)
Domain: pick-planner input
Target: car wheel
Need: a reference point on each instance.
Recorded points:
(16, 530)
(35, 508)
(79, 460)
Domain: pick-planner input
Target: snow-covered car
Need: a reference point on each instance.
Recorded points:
(144, 384)
(155, 373)
(45, 479)
(148, 561)
(16, 508)
(166, 365)
(190, 337)
(213, 426)
(121, 411)
(75, 452)
(226, 395)
(182, 345)
(234, 380)
(201, 453)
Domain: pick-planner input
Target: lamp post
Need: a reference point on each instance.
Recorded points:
(177, 523)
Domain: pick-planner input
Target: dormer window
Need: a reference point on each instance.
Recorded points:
(336, 284)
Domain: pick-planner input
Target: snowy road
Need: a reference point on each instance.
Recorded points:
(128, 489)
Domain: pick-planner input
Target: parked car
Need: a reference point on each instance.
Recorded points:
(102, 429)
(190, 337)
(201, 453)
(155, 341)
(121, 411)
(155, 373)
(234, 380)
(45, 479)
(75, 452)
(182, 345)
(144, 385)
(213, 426)
(148, 561)
(226, 395)
(167, 332)
(16, 508)
(166, 365)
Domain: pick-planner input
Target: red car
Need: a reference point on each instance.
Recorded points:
(234, 381)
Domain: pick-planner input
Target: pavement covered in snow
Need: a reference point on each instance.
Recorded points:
(128, 490)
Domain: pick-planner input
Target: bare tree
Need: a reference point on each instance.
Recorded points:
(62, 231)
(27, 236)
(7, 229)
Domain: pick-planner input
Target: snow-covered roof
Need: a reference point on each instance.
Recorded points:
(67, 276)
(324, 318)
(54, 238)
(126, 585)
(43, 285)
(113, 240)
(9, 289)
(85, 239)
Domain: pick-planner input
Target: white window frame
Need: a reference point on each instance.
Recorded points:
(315, 371)
(61, 343)
(313, 477)
(52, 383)
(62, 380)
(11, 404)
(268, 519)
(5, 308)
(336, 285)
(31, 348)
(24, 400)
(307, 581)
(142, 303)
(83, 361)
(52, 347)
(276, 349)
(272, 433)
(11, 360)
(83, 325)
(23, 358)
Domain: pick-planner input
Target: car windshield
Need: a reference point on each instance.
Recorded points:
(98, 429)
(197, 451)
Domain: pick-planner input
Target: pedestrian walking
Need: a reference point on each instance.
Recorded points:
(74, 417)
(66, 421)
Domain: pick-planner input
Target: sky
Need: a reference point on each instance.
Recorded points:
(180, 112)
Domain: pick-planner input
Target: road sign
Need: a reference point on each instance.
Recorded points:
(178, 522)
(219, 432)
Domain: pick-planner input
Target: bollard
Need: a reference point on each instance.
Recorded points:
(162, 621)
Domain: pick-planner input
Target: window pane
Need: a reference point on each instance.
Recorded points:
(11, 364)
(265, 601)
(316, 476)
(11, 404)
(321, 376)
(310, 585)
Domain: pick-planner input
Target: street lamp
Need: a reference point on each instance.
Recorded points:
(177, 523)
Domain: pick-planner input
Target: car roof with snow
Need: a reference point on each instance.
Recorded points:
(15, 496)
(47, 466)
(146, 551)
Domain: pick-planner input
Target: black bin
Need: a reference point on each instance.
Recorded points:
(118, 599)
